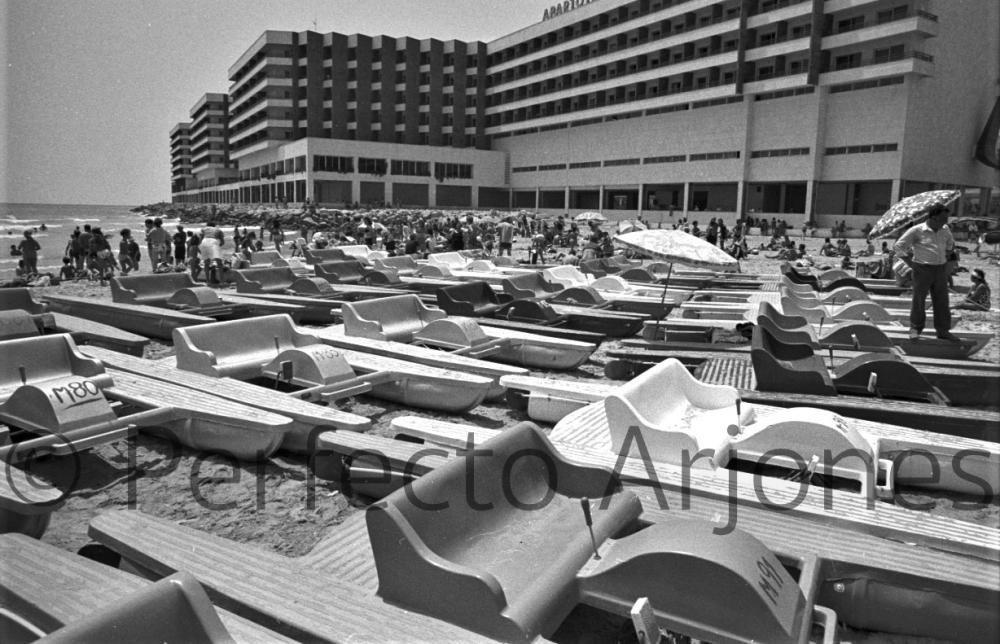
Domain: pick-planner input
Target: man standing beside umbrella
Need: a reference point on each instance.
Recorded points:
(926, 248)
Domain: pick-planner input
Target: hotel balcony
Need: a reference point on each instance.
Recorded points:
(613, 55)
(686, 95)
(613, 81)
(785, 10)
(915, 62)
(261, 126)
(236, 120)
(923, 23)
(263, 63)
(775, 83)
(253, 88)
(778, 49)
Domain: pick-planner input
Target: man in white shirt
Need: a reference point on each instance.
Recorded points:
(926, 248)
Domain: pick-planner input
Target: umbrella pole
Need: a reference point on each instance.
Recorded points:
(663, 298)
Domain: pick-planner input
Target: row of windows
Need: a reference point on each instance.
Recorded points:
(411, 168)
(868, 84)
(333, 164)
(783, 152)
(785, 93)
(444, 171)
(276, 168)
(609, 163)
(863, 149)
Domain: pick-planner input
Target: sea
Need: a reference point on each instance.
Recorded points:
(59, 222)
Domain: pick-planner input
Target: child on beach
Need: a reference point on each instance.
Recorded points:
(68, 271)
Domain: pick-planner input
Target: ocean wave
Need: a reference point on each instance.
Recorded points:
(85, 220)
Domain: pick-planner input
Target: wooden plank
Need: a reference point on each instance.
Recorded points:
(288, 594)
(52, 588)
(306, 416)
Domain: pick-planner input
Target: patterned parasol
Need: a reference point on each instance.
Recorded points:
(677, 246)
(910, 211)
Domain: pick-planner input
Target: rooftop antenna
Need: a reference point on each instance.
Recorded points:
(314, 24)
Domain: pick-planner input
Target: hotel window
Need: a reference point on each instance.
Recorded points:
(896, 52)
(847, 62)
(896, 13)
(857, 22)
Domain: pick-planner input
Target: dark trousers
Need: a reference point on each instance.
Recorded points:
(931, 279)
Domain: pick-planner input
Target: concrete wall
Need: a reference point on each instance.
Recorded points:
(947, 112)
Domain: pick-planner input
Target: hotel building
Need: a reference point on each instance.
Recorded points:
(791, 108)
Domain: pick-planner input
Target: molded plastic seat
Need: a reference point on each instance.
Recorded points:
(397, 318)
(792, 328)
(453, 260)
(789, 364)
(592, 267)
(45, 358)
(361, 252)
(175, 609)
(818, 283)
(266, 258)
(566, 276)
(677, 415)
(237, 348)
(20, 298)
(498, 550)
(401, 264)
(529, 285)
(471, 299)
(816, 313)
(788, 369)
(154, 289)
(639, 274)
(352, 271)
(840, 295)
(321, 255)
(264, 280)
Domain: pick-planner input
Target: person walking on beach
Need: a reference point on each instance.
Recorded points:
(29, 248)
(73, 250)
(926, 248)
(86, 260)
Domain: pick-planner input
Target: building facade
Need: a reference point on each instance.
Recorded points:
(805, 109)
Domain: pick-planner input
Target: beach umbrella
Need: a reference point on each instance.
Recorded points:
(590, 216)
(910, 211)
(676, 246)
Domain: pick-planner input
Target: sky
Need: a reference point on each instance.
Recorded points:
(90, 89)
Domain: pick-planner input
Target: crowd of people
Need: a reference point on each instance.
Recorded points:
(89, 255)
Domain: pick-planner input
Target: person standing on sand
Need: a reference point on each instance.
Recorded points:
(180, 246)
(86, 260)
(210, 249)
(926, 248)
(159, 241)
(29, 248)
(149, 244)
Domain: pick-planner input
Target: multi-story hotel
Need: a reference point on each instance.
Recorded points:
(796, 108)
